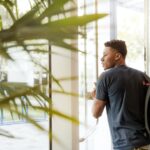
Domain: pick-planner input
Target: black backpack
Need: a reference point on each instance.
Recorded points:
(147, 106)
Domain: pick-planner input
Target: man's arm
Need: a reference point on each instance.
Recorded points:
(98, 107)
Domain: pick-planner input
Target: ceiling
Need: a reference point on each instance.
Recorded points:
(138, 5)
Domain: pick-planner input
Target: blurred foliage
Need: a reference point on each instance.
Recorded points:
(45, 23)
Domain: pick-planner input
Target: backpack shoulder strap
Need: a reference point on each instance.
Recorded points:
(147, 105)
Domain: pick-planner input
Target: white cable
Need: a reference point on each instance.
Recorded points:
(89, 132)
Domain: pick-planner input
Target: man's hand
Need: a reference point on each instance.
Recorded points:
(93, 93)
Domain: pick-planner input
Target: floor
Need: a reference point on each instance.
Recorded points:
(30, 138)
(27, 137)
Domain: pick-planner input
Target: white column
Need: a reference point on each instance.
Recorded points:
(65, 64)
(147, 36)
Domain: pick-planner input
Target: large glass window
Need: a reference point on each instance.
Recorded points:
(125, 21)
(89, 70)
(147, 36)
(130, 27)
(25, 69)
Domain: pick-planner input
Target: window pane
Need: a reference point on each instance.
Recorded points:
(96, 34)
(130, 27)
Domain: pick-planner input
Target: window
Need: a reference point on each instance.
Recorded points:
(23, 70)
(130, 27)
(89, 70)
(125, 21)
(147, 36)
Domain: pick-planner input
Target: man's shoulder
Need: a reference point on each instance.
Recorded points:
(135, 70)
(140, 73)
(117, 70)
(105, 73)
(126, 68)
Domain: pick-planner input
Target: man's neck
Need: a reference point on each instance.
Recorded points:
(120, 63)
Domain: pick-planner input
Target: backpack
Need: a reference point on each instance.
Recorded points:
(147, 106)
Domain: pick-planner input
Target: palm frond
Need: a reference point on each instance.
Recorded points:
(1, 25)
(8, 6)
(76, 20)
(28, 118)
(4, 53)
(26, 19)
(50, 23)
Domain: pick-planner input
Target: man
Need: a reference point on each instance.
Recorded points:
(122, 90)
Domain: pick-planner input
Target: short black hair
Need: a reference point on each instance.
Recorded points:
(118, 45)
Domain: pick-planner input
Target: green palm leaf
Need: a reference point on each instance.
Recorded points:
(31, 27)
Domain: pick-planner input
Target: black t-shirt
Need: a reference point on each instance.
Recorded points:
(123, 89)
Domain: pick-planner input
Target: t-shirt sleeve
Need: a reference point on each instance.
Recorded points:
(102, 89)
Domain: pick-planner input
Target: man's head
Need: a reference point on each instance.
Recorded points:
(114, 54)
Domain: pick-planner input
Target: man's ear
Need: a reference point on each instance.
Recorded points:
(118, 56)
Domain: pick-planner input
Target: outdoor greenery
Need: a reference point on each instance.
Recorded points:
(46, 23)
